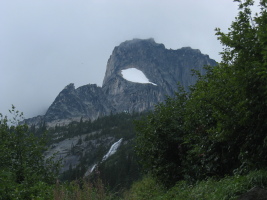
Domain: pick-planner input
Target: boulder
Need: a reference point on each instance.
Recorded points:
(255, 193)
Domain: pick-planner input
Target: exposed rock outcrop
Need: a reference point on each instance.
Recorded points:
(86, 101)
(163, 67)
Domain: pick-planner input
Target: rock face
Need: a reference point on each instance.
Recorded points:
(87, 101)
(163, 68)
(255, 193)
(72, 149)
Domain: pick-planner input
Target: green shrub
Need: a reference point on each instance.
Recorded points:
(24, 171)
(159, 143)
(145, 189)
(228, 188)
(82, 190)
(219, 127)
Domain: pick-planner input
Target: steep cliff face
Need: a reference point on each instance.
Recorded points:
(163, 69)
(86, 101)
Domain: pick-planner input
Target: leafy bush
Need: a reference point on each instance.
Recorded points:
(82, 190)
(228, 188)
(24, 172)
(226, 112)
(147, 188)
(159, 142)
(219, 128)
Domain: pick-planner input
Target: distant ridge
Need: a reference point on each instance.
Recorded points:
(162, 67)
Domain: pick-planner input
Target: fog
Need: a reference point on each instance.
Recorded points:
(47, 44)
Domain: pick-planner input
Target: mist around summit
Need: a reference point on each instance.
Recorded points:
(140, 73)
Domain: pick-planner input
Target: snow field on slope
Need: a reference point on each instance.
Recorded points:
(135, 75)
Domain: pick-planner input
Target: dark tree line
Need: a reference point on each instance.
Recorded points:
(219, 127)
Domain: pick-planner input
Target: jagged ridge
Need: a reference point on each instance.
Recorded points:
(161, 66)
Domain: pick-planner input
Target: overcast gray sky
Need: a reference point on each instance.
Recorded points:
(47, 44)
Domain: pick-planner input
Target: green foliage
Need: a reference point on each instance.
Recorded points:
(228, 188)
(119, 125)
(201, 137)
(221, 124)
(159, 143)
(215, 115)
(147, 188)
(227, 107)
(24, 172)
(120, 170)
(82, 190)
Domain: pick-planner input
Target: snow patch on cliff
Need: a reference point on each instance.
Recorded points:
(135, 75)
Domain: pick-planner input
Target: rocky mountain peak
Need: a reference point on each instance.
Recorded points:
(130, 54)
(70, 87)
(139, 74)
(137, 43)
